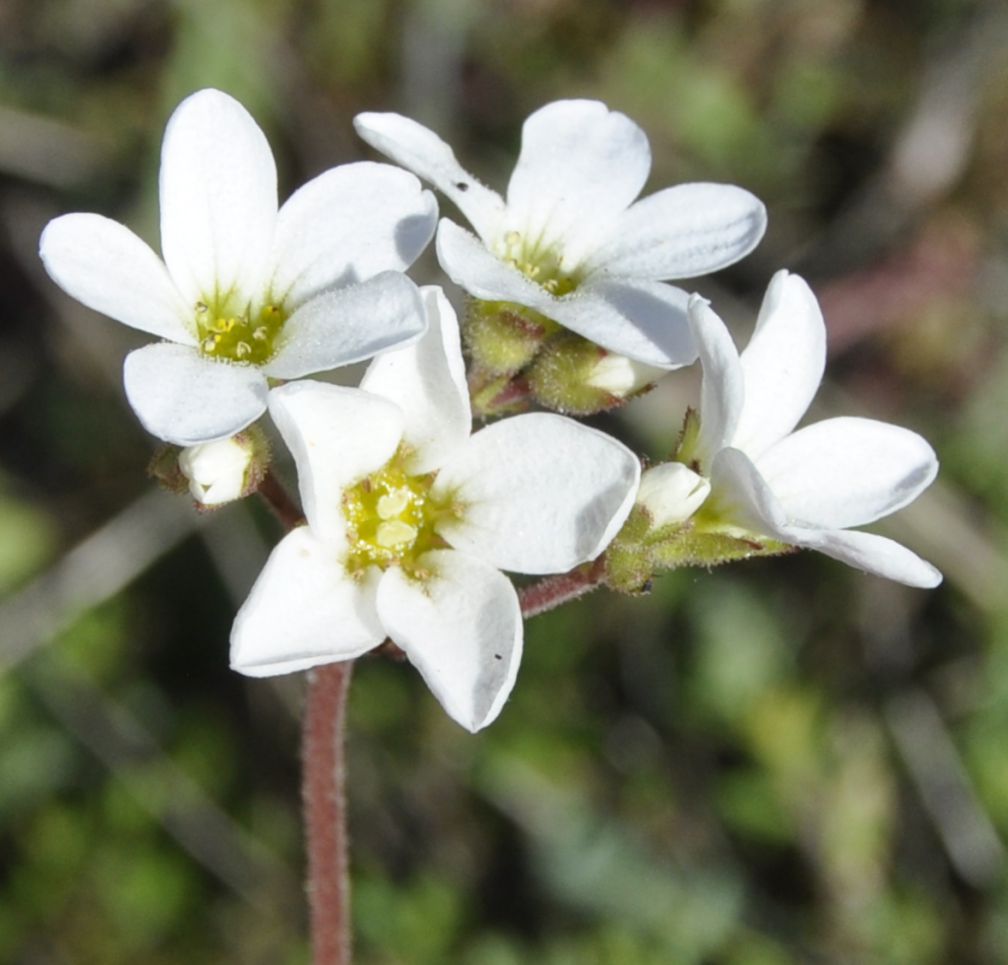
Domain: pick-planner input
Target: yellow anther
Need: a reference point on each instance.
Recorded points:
(228, 330)
(395, 532)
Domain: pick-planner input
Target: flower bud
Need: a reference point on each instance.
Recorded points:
(671, 493)
(502, 338)
(578, 377)
(622, 377)
(221, 471)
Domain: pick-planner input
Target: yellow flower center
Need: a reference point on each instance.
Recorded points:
(238, 336)
(392, 518)
(538, 263)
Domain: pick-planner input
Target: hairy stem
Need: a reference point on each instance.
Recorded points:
(323, 748)
(274, 494)
(552, 591)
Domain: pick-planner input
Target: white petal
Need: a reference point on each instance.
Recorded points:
(104, 265)
(688, 230)
(847, 471)
(620, 376)
(782, 365)
(871, 553)
(580, 166)
(337, 437)
(218, 199)
(304, 610)
(644, 320)
(183, 398)
(427, 381)
(468, 262)
(722, 389)
(671, 493)
(347, 225)
(542, 493)
(743, 498)
(421, 151)
(461, 629)
(217, 471)
(349, 324)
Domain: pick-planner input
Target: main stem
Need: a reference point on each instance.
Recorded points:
(323, 789)
(323, 749)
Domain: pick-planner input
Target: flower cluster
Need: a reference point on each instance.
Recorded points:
(410, 516)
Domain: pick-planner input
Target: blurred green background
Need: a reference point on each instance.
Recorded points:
(780, 761)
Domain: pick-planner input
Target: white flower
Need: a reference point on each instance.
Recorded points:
(245, 291)
(217, 471)
(411, 519)
(570, 242)
(802, 488)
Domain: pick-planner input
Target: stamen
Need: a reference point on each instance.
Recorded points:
(248, 336)
(537, 262)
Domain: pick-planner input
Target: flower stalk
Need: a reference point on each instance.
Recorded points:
(276, 497)
(323, 749)
(553, 591)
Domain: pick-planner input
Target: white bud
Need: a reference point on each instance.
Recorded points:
(217, 471)
(620, 376)
(671, 493)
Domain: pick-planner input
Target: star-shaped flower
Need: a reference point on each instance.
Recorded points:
(570, 242)
(803, 488)
(411, 519)
(246, 292)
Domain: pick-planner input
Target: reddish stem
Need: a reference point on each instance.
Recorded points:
(273, 493)
(323, 747)
(554, 590)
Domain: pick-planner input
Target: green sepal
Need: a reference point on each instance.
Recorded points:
(559, 377)
(502, 338)
(163, 468)
(640, 552)
(689, 435)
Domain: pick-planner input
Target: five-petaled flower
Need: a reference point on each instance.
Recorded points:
(801, 488)
(246, 292)
(410, 520)
(570, 242)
